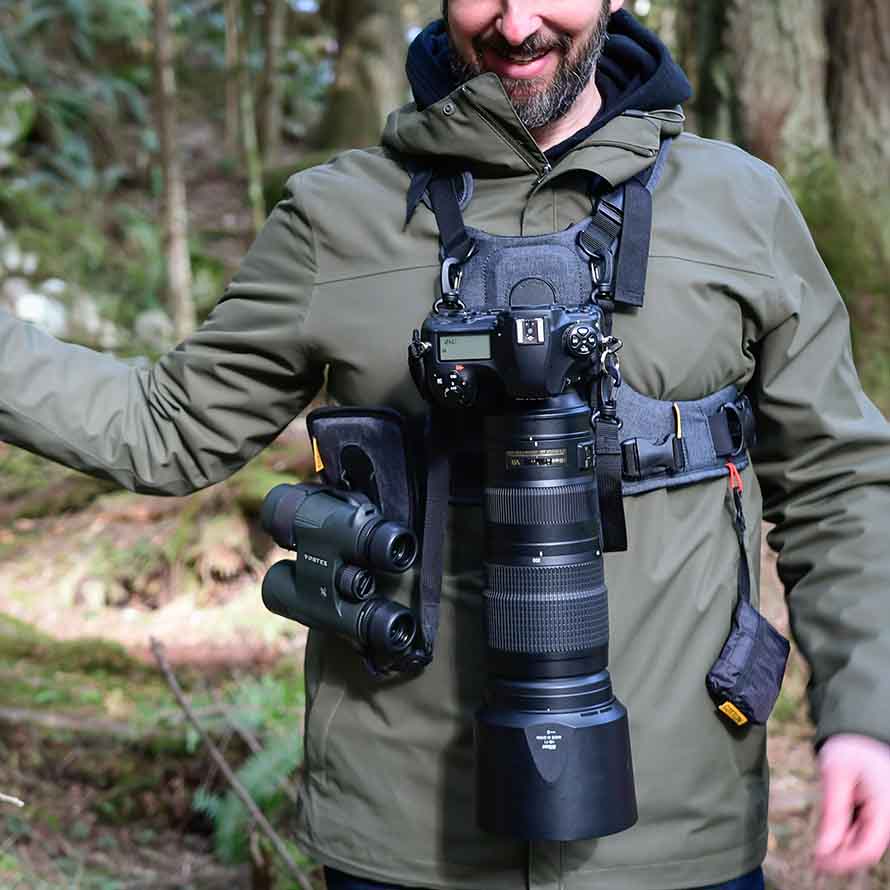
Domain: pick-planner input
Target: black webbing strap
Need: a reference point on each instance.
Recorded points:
(609, 466)
(438, 483)
(620, 233)
(740, 526)
(456, 243)
(633, 252)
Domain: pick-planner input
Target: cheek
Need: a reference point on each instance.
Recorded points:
(469, 18)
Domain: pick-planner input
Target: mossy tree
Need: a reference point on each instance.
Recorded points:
(369, 80)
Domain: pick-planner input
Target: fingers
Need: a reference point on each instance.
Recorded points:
(855, 826)
(839, 780)
(864, 844)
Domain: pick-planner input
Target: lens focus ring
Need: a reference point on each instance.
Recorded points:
(546, 609)
(553, 505)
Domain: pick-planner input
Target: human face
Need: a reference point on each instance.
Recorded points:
(544, 51)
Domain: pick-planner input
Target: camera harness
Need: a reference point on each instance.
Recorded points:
(641, 443)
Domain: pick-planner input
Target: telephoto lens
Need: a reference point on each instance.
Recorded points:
(339, 538)
(553, 758)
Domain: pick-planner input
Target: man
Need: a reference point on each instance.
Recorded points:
(523, 96)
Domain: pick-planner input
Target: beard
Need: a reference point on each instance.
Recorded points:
(539, 101)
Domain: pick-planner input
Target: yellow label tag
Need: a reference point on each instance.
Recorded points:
(319, 463)
(733, 713)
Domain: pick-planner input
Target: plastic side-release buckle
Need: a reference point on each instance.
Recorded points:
(642, 458)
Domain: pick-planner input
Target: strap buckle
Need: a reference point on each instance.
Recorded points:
(642, 458)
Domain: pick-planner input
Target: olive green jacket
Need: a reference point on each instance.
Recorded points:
(736, 295)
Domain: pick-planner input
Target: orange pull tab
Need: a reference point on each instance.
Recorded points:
(735, 478)
(319, 463)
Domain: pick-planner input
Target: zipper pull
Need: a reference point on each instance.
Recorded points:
(548, 169)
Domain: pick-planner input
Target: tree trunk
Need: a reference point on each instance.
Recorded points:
(858, 98)
(780, 61)
(369, 80)
(270, 112)
(700, 33)
(179, 270)
(250, 144)
(232, 78)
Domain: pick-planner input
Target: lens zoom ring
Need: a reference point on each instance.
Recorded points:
(562, 505)
(544, 610)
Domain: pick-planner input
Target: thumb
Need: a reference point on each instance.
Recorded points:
(838, 789)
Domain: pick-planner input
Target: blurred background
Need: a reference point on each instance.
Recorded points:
(141, 146)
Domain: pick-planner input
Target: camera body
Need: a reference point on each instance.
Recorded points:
(339, 538)
(473, 359)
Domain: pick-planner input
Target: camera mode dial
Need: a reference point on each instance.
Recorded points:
(581, 339)
(456, 388)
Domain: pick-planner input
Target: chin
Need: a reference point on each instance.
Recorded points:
(525, 89)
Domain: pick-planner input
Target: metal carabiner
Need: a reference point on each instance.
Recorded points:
(452, 278)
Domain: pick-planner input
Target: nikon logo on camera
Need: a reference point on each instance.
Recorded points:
(315, 560)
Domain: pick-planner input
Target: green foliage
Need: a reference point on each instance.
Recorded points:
(56, 52)
(269, 708)
(843, 233)
(849, 232)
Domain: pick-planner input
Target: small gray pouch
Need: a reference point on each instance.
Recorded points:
(371, 451)
(746, 679)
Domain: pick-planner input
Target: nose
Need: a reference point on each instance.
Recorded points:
(518, 21)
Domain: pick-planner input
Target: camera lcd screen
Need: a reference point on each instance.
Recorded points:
(465, 348)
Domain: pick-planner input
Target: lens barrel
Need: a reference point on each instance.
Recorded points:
(552, 743)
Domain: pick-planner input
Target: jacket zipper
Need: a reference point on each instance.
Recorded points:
(538, 163)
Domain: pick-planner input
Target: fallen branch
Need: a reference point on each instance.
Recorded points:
(157, 649)
(5, 798)
(251, 741)
(68, 723)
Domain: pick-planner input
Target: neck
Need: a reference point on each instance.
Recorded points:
(585, 109)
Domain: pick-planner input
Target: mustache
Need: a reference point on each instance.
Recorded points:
(534, 46)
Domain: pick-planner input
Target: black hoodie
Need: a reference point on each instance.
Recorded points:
(636, 71)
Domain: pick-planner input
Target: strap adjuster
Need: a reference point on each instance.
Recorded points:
(733, 428)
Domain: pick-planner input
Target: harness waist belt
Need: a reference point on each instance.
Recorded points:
(663, 444)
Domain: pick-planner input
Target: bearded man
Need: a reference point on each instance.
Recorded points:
(537, 105)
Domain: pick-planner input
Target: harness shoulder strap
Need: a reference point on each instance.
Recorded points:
(620, 233)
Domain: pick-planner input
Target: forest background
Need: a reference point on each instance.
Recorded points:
(141, 146)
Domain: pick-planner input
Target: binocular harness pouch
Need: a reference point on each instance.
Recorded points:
(369, 451)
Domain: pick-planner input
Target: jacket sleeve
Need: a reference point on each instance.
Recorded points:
(823, 461)
(205, 408)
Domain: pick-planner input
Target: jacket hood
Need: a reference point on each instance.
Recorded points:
(452, 123)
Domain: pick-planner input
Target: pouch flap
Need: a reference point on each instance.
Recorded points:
(367, 450)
